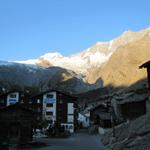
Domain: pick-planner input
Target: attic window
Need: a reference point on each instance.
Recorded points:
(49, 95)
(12, 95)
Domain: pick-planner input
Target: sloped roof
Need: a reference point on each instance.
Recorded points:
(9, 92)
(145, 65)
(131, 97)
(42, 93)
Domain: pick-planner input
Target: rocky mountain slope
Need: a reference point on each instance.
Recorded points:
(33, 78)
(134, 135)
(122, 69)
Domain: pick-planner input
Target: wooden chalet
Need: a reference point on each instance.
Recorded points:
(55, 106)
(129, 106)
(16, 124)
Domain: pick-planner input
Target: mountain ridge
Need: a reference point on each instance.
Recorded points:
(105, 63)
(95, 56)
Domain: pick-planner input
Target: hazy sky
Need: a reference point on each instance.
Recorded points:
(30, 28)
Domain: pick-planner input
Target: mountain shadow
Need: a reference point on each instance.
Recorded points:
(14, 76)
(110, 90)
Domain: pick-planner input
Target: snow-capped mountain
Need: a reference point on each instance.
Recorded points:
(105, 64)
(88, 61)
(78, 63)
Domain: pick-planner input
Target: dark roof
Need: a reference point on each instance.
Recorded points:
(10, 92)
(145, 65)
(42, 93)
(131, 97)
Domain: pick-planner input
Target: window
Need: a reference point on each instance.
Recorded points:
(49, 113)
(12, 101)
(49, 95)
(70, 118)
(12, 95)
(70, 108)
(49, 105)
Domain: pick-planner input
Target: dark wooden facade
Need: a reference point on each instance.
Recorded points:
(62, 102)
(16, 124)
(3, 100)
(132, 110)
(61, 107)
(36, 104)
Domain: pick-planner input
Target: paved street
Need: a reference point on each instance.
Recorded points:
(80, 141)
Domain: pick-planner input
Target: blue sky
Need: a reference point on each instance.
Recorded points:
(30, 28)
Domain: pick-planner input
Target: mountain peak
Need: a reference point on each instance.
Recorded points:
(51, 55)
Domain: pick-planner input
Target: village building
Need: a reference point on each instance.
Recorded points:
(16, 124)
(55, 106)
(128, 106)
(101, 115)
(96, 113)
(84, 119)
